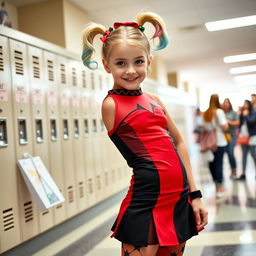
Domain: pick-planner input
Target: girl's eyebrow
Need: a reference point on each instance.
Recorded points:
(139, 57)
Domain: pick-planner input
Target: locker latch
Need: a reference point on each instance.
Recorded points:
(65, 129)
(22, 129)
(39, 130)
(76, 128)
(3, 133)
(53, 130)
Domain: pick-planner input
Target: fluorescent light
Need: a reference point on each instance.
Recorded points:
(231, 23)
(245, 69)
(238, 58)
(245, 79)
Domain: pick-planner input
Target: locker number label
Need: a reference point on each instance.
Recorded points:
(3, 92)
(21, 94)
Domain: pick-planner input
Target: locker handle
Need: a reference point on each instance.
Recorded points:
(39, 130)
(22, 129)
(76, 128)
(86, 127)
(95, 130)
(53, 126)
(65, 129)
(3, 133)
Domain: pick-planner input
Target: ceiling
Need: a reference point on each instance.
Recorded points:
(193, 51)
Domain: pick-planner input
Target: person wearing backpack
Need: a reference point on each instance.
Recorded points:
(214, 118)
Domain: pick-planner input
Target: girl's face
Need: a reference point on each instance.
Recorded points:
(226, 105)
(128, 65)
(246, 105)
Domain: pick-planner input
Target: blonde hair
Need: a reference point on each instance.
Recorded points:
(128, 34)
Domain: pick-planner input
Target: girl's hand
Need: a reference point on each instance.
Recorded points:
(201, 215)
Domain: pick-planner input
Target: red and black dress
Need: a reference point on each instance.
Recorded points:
(158, 191)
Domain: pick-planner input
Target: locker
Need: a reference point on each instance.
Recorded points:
(77, 137)
(39, 124)
(90, 174)
(22, 120)
(96, 85)
(66, 129)
(53, 129)
(10, 225)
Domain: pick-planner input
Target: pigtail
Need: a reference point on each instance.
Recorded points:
(159, 25)
(89, 33)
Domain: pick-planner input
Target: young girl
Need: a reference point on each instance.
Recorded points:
(163, 207)
(214, 118)
(248, 128)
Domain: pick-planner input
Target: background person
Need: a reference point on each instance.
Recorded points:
(214, 118)
(248, 129)
(233, 122)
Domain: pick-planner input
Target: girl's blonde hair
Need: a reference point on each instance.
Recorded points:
(210, 113)
(128, 34)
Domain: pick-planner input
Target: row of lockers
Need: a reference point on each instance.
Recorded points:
(50, 107)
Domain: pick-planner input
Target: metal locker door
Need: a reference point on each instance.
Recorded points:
(77, 137)
(23, 133)
(89, 161)
(39, 125)
(10, 225)
(96, 134)
(54, 133)
(66, 133)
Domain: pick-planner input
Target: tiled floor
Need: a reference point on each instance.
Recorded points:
(232, 220)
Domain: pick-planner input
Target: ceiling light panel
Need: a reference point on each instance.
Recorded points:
(238, 58)
(245, 69)
(231, 23)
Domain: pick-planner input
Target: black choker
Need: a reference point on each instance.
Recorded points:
(126, 92)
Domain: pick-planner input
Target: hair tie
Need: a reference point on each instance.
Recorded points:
(117, 25)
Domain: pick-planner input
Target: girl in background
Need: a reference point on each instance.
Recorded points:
(214, 118)
(248, 128)
(163, 207)
(233, 122)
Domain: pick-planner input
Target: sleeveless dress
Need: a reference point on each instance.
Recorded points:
(158, 190)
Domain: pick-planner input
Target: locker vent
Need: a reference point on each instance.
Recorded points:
(45, 212)
(92, 81)
(50, 70)
(70, 194)
(81, 189)
(84, 78)
(8, 220)
(90, 186)
(62, 74)
(1, 59)
(106, 179)
(19, 68)
(74, 80)
(59, 206)
(36, 67)
(28, 211)
(113, 176)
(100, 82)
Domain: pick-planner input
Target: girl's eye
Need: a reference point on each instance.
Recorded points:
(120, 63)
(139, 62)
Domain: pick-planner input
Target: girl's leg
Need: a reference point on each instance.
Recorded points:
(253, 153)
(150, 250)
(231, 156)
(219, 170)
(130, 250)
(245, 149)
(176, 250)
